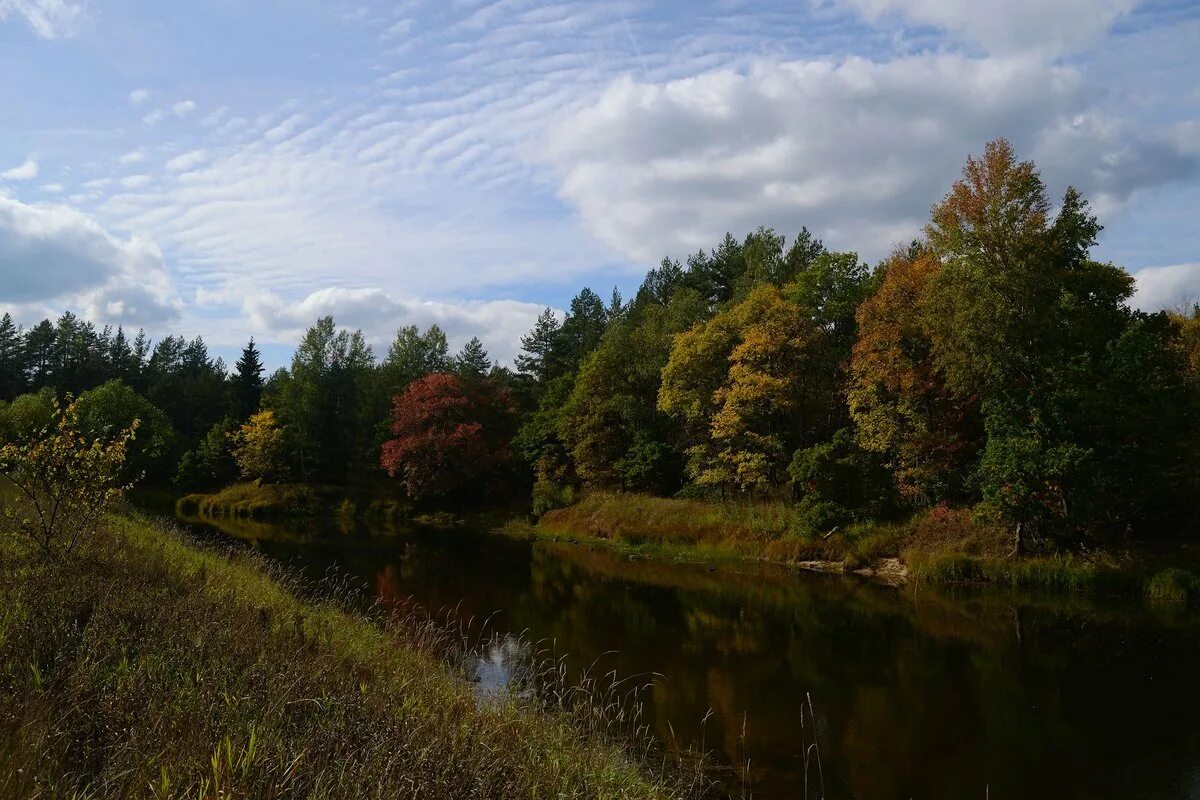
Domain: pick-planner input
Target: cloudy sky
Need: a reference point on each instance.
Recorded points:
(232, 168)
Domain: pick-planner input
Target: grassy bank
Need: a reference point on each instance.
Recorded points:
(144, 667)
(942, 546)
(284, 500)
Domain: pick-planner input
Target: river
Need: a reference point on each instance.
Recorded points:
(917, 693)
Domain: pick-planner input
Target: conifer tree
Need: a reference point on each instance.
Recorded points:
(12, 359)
(246, 385)
(473, 361)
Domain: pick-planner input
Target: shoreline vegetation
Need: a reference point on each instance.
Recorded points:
(940, 546)
(258, 500)
(261, 689)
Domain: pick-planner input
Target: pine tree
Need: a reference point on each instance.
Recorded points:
(538, 349)
(473, 361)
(246, 385)
(40, 344)
(12, 359)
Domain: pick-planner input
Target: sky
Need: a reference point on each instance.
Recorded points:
(233, 169)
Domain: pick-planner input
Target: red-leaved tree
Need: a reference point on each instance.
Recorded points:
(451, 436)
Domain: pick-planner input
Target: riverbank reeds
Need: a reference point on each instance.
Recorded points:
(939, 545)
(260, 501)
(143, 666)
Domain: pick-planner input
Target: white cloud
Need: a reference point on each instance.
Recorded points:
(155, 117)
(132, 157)
(186, 161)
(52, 188)
(139, 97)
(23, 172)
(53, 253)
(498, 323)
(1170, 287)
(183, 108)
(135, 181)
(215, 117)
(397, 29)
(1005, 25)
(284, 129)
(854, 149)
(50, 19)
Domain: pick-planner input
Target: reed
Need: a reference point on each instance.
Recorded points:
(147, 666)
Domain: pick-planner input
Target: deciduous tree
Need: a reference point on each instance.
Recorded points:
(450, 437)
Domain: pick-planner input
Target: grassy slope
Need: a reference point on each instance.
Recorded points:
(938, 547)
(148, 668)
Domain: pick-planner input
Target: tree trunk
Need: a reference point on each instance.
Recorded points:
(1018, 541)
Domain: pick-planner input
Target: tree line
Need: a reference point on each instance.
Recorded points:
(990, 363)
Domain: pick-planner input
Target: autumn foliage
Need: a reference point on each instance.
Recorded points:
(451, 437)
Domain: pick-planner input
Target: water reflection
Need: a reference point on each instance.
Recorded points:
(918, 694)
(505, 665)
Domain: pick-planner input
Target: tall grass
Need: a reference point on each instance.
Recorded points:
(258, 501)
(1174, 587)
(685, 529)
(146, 667)
(939, 545)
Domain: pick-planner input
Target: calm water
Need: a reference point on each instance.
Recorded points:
(917, 694)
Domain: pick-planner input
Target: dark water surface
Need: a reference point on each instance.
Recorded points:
(918, 694)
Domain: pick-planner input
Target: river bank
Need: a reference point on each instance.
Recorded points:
(146, 666)
(981, 687)
(940, 546)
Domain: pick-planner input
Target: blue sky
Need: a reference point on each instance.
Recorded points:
(229, 168)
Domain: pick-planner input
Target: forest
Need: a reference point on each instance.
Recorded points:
(989, 364)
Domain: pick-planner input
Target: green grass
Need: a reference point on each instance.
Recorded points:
(1174, 587)
(145, 667)
(697, 530)
(1059, 573)
(283, 500)
(940, 545)
(258, 501)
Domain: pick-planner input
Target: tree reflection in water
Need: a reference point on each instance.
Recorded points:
(917, 693)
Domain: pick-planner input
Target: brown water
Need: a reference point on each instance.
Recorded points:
(918, 694)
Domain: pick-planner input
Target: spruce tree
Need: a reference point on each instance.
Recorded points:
(246, 385)
(40, 346)
(12, 359)
(121, 358)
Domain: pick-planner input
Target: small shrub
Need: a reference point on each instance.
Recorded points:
(64, 481)
(549, 495)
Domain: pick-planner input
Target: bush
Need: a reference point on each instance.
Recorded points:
(549, 495)
(64, 481)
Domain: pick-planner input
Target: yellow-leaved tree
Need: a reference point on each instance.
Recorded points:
(739, 384)
(258, 447)
(62, 480)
